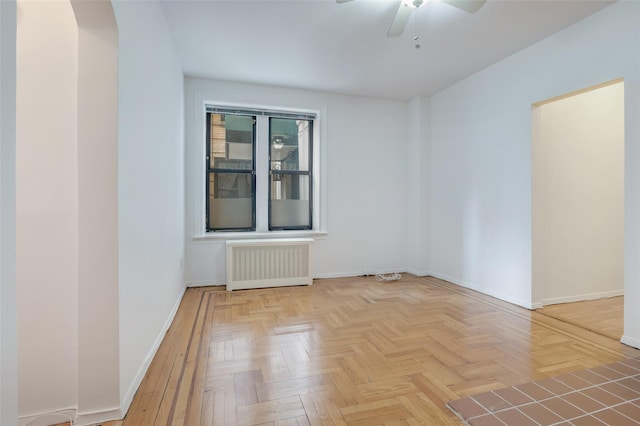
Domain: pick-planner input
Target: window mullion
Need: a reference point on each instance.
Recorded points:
(262, 173)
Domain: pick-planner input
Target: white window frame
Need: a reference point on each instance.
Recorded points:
(262, 177)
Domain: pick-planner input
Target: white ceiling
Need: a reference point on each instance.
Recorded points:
(343, 48)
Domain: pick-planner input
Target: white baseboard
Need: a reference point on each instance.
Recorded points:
(631, 341)
(485, 290)
(581, 297)
(128, 397)
(536, 305)
(99, 417)
(358, 273)
(71, 415)
(46, 419)
(207, 283)
(338, 275)
(418, 273)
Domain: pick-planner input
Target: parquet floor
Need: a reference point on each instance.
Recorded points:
(350, 351)
(604, 316)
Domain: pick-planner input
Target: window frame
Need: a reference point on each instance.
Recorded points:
(261, 203)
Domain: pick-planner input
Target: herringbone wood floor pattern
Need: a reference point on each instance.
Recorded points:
(350, 351)
(603, 316)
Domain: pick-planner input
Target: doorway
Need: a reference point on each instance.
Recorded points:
(578, 196)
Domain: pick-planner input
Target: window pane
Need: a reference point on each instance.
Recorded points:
(290, 144)
(290, 201)
(230, 200)
(232, 139)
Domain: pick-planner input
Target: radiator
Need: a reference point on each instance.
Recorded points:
(268, 263)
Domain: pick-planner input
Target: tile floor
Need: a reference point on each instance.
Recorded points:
(605, 395)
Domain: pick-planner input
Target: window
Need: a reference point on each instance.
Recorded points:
(259, 173)
(231, 179)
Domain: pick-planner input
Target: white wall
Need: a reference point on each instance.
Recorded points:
(47, 206)
(481, 155)
(101, 209)
(416, 190)
(366, 179)
(8, 337)
(98, 352)
(150, 187)
(631, 334)
(578, 196)
(67, 300)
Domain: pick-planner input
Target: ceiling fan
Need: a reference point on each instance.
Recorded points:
(407, 6)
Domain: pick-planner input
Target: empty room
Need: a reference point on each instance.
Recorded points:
(318, 212)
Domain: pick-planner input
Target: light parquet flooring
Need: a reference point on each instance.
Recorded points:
(604, 316)
(350, 351)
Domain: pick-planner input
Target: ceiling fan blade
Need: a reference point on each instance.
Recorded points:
(400, 20)
(471, 6)
(343, 1)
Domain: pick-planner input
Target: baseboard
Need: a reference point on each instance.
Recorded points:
(99, 417)
(338, 275)
(128, 397)
(418, 273)
(581, 297)
(67, 416)
(46, 419)
(536, 305)
(358, 273)
(206, 283)
(631, 341)
(488, 291)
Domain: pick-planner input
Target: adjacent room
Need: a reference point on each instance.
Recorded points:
(319, 212)
(578, 207)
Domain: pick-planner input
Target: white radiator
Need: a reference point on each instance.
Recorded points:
(268, 263)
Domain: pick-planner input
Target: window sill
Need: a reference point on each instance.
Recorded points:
(222, 236)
